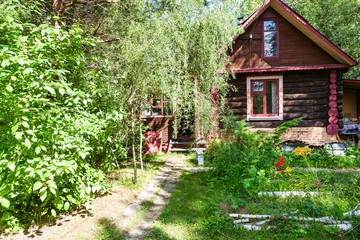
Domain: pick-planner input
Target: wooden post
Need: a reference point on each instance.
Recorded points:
(215, 114)
(198, 133)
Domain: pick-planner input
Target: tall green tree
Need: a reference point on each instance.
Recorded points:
(338, 20)
(164, 49)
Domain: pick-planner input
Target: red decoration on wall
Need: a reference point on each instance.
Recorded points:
(333, 112)
(332, 98)
(333, 120)
(333, 128)
(332, 104)
(333, 86)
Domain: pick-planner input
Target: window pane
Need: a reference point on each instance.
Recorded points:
(270, 44)
(269, 25)
(271, 97)
(156, 102)
(156, 111)
(257, 86)
(258, 104)
(167, 108)
(145, 110)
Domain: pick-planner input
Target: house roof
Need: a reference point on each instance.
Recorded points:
(352, 83)
(302, 25)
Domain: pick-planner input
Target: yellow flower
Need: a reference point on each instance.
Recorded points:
(268, 184)
(288, 169)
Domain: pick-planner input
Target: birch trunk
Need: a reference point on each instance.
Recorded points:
(140, 147)
(133, 142)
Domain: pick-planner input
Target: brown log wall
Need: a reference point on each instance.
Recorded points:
(163, 124)
(306, 94)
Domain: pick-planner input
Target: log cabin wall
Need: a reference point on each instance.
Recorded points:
(162, 124)
(306, 94)
(295, 49)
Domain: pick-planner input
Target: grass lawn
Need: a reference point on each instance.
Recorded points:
(199, 209)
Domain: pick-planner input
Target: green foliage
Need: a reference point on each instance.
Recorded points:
(157, 59)
(53, 131)
(337, 20)
(322, 158)
(283, 128)
(246, 160)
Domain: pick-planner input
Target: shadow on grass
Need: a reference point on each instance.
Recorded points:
(110, 231)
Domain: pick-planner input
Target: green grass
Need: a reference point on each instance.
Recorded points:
(199, 209)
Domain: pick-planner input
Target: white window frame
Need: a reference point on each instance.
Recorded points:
(249, 117)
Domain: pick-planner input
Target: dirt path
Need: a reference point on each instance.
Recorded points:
(118, 215)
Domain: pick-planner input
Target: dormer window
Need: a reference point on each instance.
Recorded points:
(270, 38)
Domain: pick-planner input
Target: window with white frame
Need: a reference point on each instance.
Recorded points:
(264, 97)
(158, 106)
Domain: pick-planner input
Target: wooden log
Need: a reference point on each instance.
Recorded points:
(304, 96)
(307, 116)
(237, 99)
(316, 108)
(237, 104)
(239, 111)
(307, 102)
(305, 89)
(303, 123)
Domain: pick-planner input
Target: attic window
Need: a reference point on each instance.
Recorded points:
(270, 38)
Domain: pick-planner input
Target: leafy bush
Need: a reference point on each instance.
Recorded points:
(50, 128)
(245, 160)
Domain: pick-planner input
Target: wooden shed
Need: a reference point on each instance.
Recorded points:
(286, 69)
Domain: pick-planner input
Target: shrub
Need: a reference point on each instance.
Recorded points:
(246, 161)
(50, 127)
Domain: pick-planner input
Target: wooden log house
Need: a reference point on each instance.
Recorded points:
(285, 69)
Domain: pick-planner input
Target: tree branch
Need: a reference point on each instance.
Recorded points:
(71, 3)
(109, 40)
(96, 1)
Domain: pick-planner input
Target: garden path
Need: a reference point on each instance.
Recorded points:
(118, 214)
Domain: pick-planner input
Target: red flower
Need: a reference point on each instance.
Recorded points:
(280, 163)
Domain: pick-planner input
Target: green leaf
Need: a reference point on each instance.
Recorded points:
(62, 91)
(88, 190)
(27, 143)
(37, 150)
(53, 191)
(43, 196)
(66, 206)
(37, 185)
(11, 166)
(9, 88)
(83, 155)
(30, 132)
(5, 203)
(53, 213)
(18, 135)
(50, 89)
(25, 124)
(14, 128)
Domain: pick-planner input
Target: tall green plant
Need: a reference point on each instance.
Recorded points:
(50, 128)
